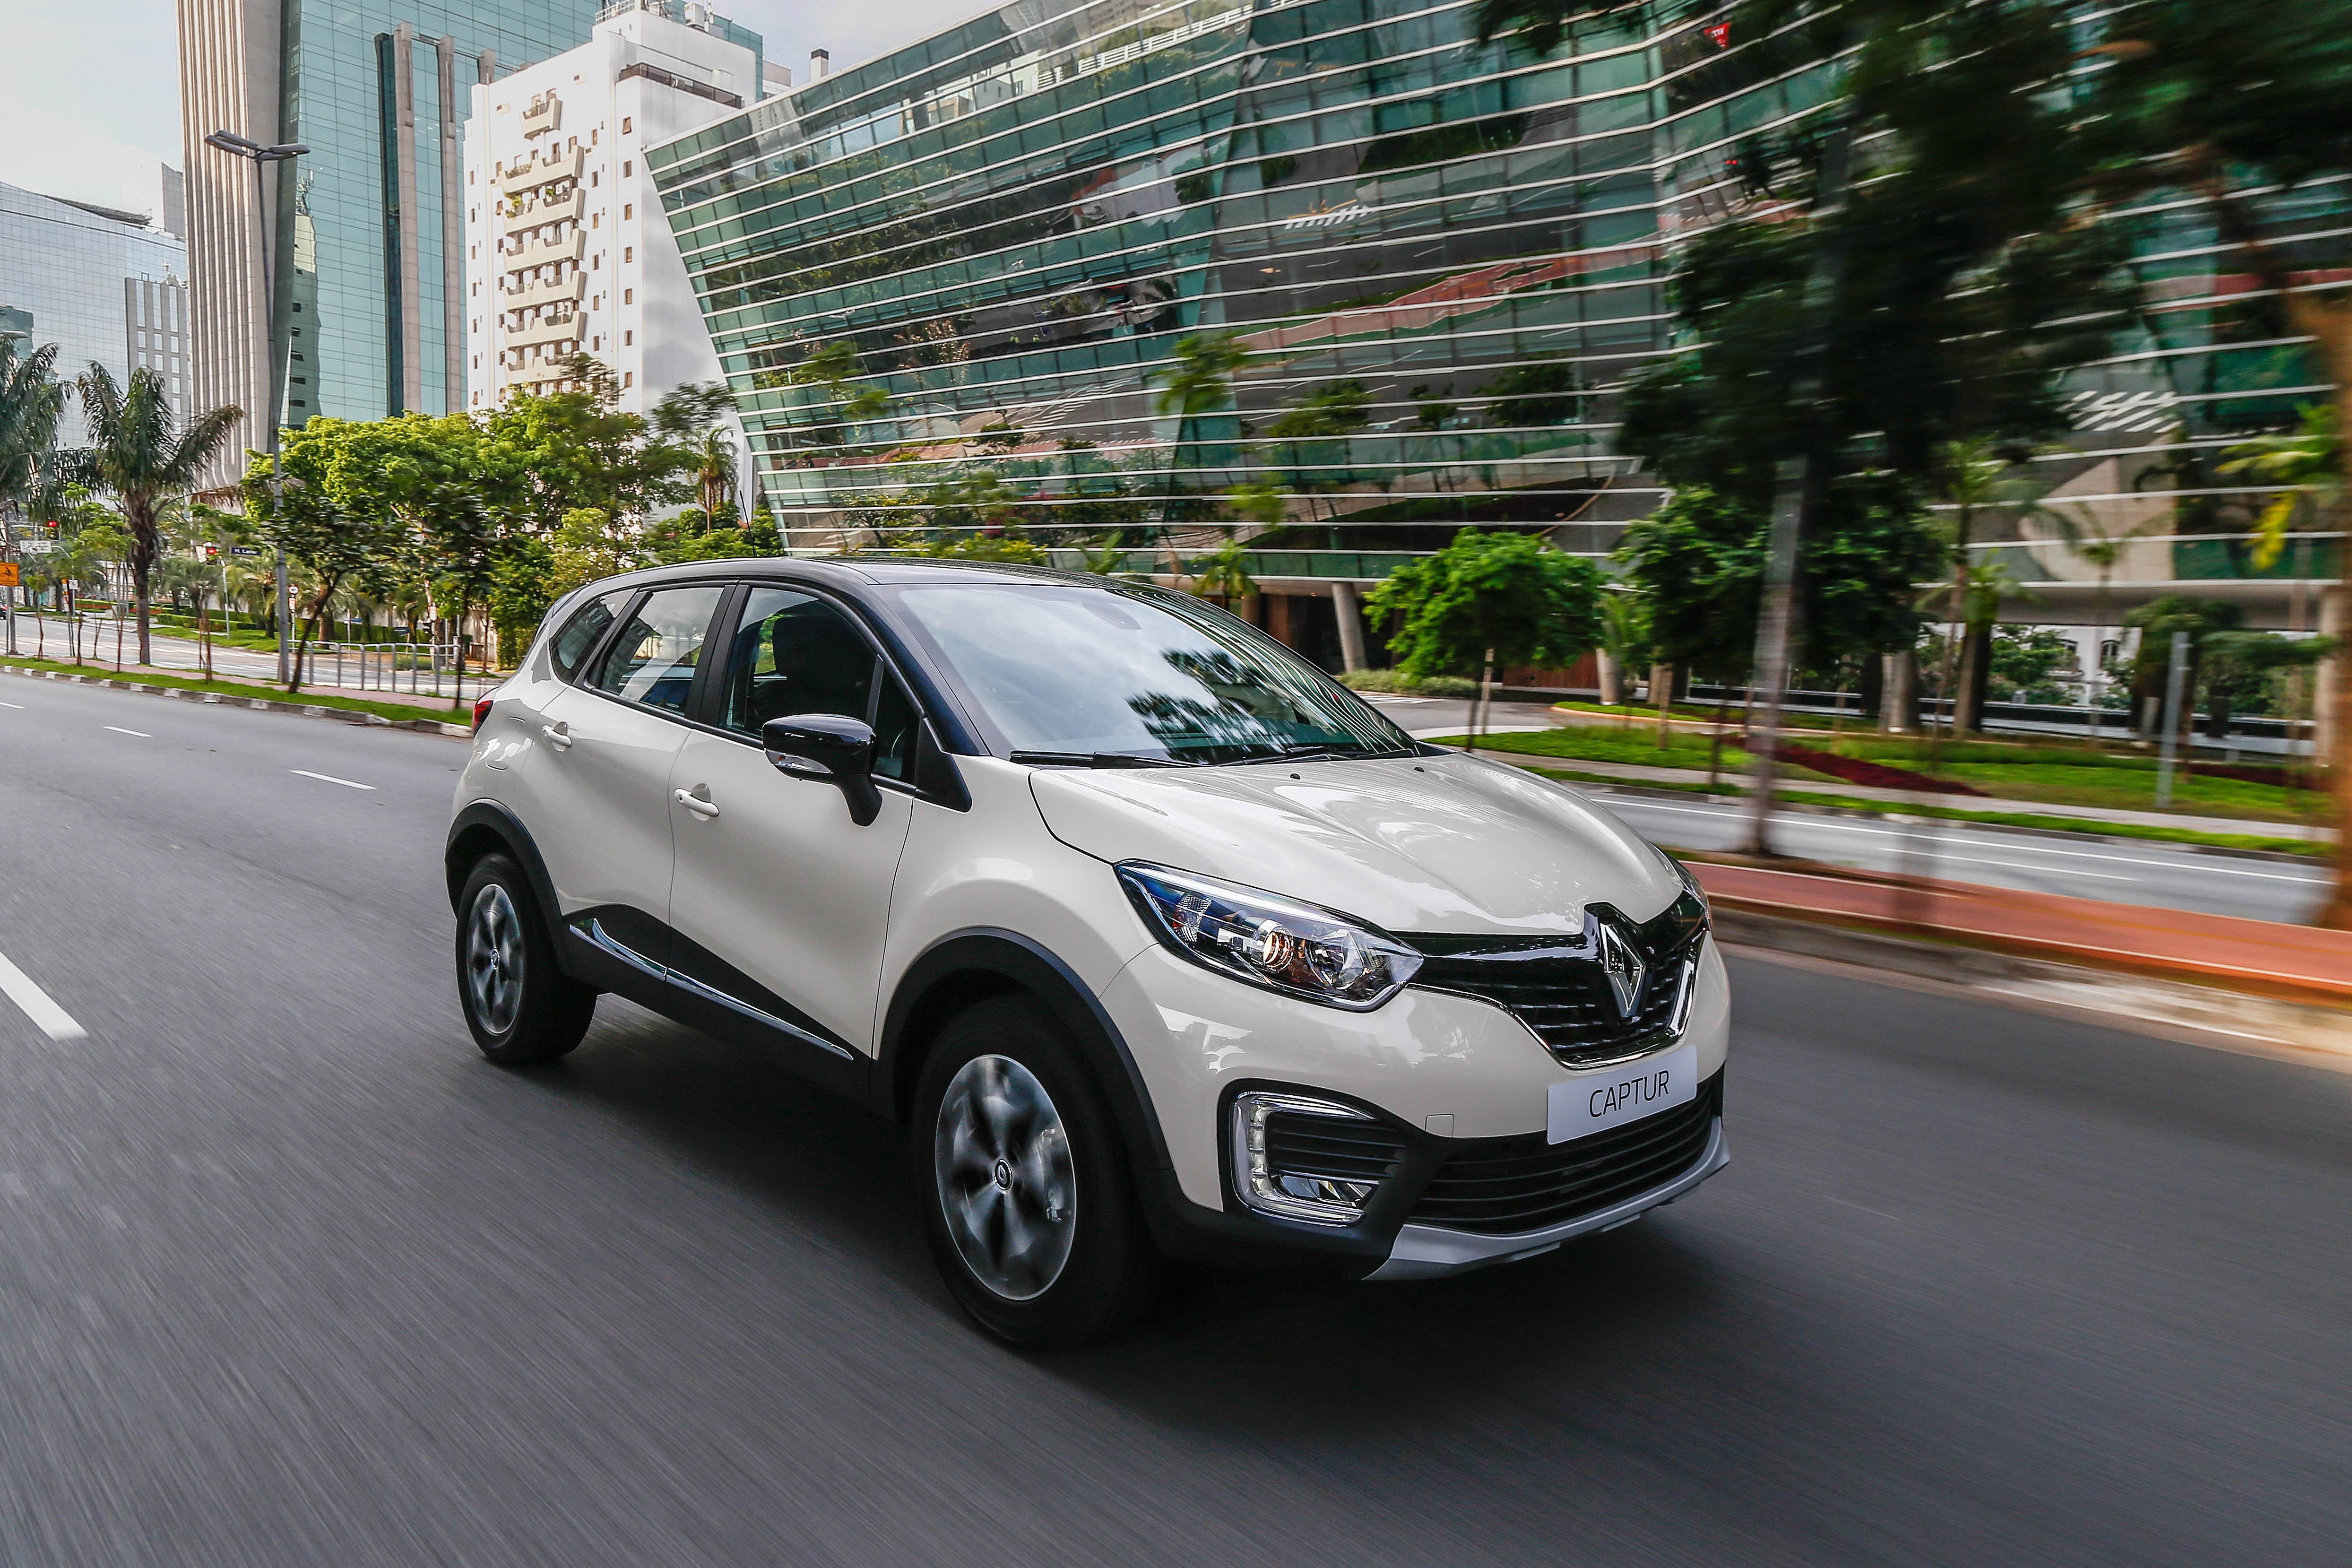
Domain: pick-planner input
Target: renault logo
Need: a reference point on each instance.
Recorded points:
(1623, 966)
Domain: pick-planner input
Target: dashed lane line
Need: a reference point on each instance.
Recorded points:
(329, 778)
(53, 1020)
(120, 731)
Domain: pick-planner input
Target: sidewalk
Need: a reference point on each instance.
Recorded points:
(2298, 963)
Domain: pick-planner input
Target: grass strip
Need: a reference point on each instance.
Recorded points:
(399, 712)
(2313, 848)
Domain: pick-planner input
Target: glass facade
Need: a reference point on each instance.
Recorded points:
(1441, 258)
(78, 276)
(364, 316)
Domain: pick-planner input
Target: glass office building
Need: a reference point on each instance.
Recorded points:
(1440, 257)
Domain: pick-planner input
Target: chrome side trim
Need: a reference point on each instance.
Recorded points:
(687, 982)
(596, 936)
(1427, 1251)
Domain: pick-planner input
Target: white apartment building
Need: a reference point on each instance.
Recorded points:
(566, 247)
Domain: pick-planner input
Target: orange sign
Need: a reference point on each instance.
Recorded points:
(8, 574)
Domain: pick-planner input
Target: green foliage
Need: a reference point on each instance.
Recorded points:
(1420, 686)
(1699, 563)
(1506, 591)
(1336, 409)
(1261, 502)
(987, 547)
(2308, 459)
(1225, 573)
(1533, 395)
(2026, 661)
(1201, 381)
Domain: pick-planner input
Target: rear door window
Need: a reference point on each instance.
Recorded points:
(652, 660)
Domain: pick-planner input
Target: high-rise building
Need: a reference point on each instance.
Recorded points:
(1445, 257)
(566, 250)
(105, 286)
(364, 233)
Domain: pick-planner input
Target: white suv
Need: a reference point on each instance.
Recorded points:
(1165, 945)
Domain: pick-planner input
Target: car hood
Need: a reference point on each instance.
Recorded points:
(1439, 844)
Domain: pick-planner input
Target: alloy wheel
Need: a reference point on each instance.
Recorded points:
(1000, 1158)
(494, 958)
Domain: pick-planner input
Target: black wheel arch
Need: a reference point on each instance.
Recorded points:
(486, 827)
(969, 965)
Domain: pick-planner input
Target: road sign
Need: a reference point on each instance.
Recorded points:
(8, 578)
(243, 550)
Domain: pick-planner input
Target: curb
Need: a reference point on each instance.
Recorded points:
(259, 704)
(2308, 1031)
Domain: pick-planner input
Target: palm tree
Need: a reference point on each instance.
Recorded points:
(30, 403)
(138, 452)
(715, 472)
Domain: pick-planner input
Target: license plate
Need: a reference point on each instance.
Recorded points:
(1584, 1106)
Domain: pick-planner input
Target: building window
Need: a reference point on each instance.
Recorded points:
(628, 209)
(625, 125)
(628, 296)
(628, 339)
(628, 378)
(596, 220)
(627, 167)
(628, 253)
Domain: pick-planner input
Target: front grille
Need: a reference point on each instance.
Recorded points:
(1502, 1187)
(1332, 1148)
(1555, 985)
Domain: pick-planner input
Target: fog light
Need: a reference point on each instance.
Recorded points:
(1323, 1172)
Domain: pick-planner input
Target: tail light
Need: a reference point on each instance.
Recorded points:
(481, 711)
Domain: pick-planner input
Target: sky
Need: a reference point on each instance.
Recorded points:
(89, 105)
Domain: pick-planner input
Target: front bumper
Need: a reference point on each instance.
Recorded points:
(1427, 1252)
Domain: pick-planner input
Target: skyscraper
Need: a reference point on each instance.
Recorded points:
(566, 250)
(365, 232)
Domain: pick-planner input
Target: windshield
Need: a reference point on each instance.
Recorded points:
(1077, 673)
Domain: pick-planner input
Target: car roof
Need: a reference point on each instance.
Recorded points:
(875, 569)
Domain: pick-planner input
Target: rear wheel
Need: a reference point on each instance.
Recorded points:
(1025, 1183)
(520, 1005)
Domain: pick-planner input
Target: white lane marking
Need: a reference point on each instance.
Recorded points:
(329, 778)
(19, 706)
(120, 731)
(54, 1020)
(2186, 863)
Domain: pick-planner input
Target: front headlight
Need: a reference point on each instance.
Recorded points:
(1294, 948)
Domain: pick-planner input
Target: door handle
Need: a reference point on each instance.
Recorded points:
(559, 736)
(698, 801)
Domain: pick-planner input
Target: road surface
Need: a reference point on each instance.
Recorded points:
(293, 1277)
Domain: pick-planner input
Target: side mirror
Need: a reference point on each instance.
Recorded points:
(826, 748)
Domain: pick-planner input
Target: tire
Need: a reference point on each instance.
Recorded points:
(520, 1006)
(1023, 1182)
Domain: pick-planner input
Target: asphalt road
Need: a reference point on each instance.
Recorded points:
(2130, 871)
(292, 1278)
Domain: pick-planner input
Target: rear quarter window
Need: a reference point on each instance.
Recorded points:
(579, 633)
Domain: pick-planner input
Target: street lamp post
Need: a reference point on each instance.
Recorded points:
(257, 154)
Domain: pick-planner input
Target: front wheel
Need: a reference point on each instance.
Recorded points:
(1023, 1182)
(520, 1005)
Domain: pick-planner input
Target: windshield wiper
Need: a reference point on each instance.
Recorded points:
(1316, 754)
(1096, 759)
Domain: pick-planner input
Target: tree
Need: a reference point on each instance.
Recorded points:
(1197, 386)
(2157, 621)
(2237, 664)
(328, 520)
(1313, 425)
(139, 454)
(31, 403)
(2196, 99)
(1838, 324)
(1510, 592)
(1699, 563)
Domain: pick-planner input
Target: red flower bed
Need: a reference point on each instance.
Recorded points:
(1878, 775)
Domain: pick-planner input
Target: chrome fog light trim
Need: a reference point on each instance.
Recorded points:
(1318, 1200)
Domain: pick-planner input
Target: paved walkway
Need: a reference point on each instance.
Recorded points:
(2300, 961)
